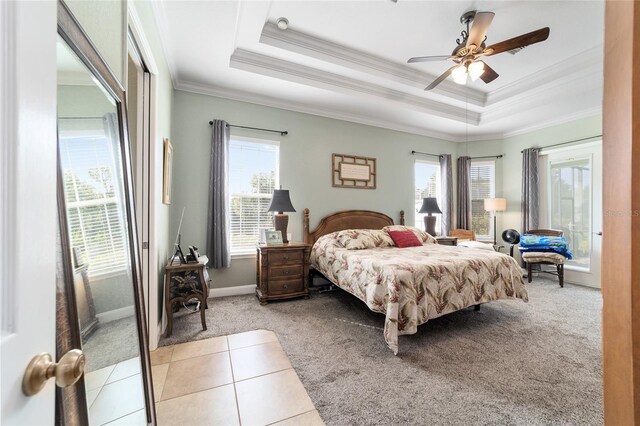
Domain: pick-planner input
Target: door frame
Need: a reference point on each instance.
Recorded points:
(621, 230)
(152, 270)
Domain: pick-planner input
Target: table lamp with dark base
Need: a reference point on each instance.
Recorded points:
(280, 203)
(429, 206)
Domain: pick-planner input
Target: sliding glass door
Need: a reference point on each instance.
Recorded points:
(571, 182)
(570, 206)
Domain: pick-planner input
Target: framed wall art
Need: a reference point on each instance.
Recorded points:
(168, 170)
(353, 171)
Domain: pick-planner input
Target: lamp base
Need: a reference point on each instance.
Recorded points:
(280, 222)
(430, 225)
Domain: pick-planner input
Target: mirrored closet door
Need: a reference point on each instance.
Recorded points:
(99, 258)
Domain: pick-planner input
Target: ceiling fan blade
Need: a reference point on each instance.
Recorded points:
(442, 77)
(428, 58)
(481, 23)
(521, 41)
(489, 74)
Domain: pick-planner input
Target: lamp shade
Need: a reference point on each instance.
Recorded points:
(495, 204)
(429, 205)
(280, 201)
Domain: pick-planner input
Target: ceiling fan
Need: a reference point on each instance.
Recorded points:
(472, 46)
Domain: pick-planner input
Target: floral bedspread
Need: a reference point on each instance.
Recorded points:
(414, 284)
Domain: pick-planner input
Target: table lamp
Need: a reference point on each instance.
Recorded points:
(429, 206)
(495, 205)
(280, 203)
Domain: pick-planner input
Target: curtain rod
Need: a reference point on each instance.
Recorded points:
(426, 153)
(80, 118)
(540, 148)
(487, 156)
(282, 132)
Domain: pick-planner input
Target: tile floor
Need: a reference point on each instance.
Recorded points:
(241, 379)
(114, 394)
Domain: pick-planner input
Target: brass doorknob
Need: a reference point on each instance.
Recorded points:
(42, 368)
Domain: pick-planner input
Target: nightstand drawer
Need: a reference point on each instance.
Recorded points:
(285, 286)
(285, 257)
(293, 271)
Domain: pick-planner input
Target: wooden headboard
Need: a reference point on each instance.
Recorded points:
(347, 219)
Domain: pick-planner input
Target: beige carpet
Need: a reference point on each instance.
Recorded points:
(511, 363)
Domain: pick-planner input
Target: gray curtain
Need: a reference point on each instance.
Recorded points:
(530, 188)
(464, 193)
(446, 190)
(218, 218)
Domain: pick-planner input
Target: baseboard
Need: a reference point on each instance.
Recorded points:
(232, 291)
(116, 314)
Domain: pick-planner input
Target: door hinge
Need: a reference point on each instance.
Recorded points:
(145, 245)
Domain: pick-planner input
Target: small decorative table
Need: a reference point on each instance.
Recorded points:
(183, 282)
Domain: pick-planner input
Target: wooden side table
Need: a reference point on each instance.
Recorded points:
(282, 271)
(183, 282)
(447, 241)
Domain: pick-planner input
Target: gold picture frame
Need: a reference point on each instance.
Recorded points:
(168, 172)
(353, 171)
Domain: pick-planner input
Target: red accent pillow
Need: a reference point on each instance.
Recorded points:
(404, 239)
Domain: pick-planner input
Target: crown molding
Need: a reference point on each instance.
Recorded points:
(242, 96)
(289, 71)
(162, 27)
(311, 46)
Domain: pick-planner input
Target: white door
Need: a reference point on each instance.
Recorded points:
(28, 210)
(571, 183)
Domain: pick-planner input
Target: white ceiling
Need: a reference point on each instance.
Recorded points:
(347, 60)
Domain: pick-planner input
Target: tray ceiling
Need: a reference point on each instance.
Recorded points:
(347, 60)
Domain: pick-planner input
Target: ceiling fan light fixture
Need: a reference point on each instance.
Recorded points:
(459, 74)
(475, 70)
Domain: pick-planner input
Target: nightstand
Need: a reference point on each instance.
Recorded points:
(447, 241)
(282, 271)
(183, 282)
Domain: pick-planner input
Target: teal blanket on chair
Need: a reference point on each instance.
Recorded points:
(545, 243)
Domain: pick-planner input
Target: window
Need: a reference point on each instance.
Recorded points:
(483, 185)
(427, 184)
(96, 225)
(253, 175)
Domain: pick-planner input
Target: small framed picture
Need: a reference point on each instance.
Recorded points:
(274, 238)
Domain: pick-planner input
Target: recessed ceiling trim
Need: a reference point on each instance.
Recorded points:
(587, 82)
(289, 71)
(591, 112)
(237, 95)
(314, 47)
(565, 71)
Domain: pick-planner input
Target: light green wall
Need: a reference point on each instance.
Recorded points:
(305, 164)
(104, 21)
(164, 103)
(83, 101)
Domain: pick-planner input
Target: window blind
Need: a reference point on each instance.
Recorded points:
(94, 215)
(253, 175)
(483, 185)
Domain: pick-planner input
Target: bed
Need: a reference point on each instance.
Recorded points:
(408, 285)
